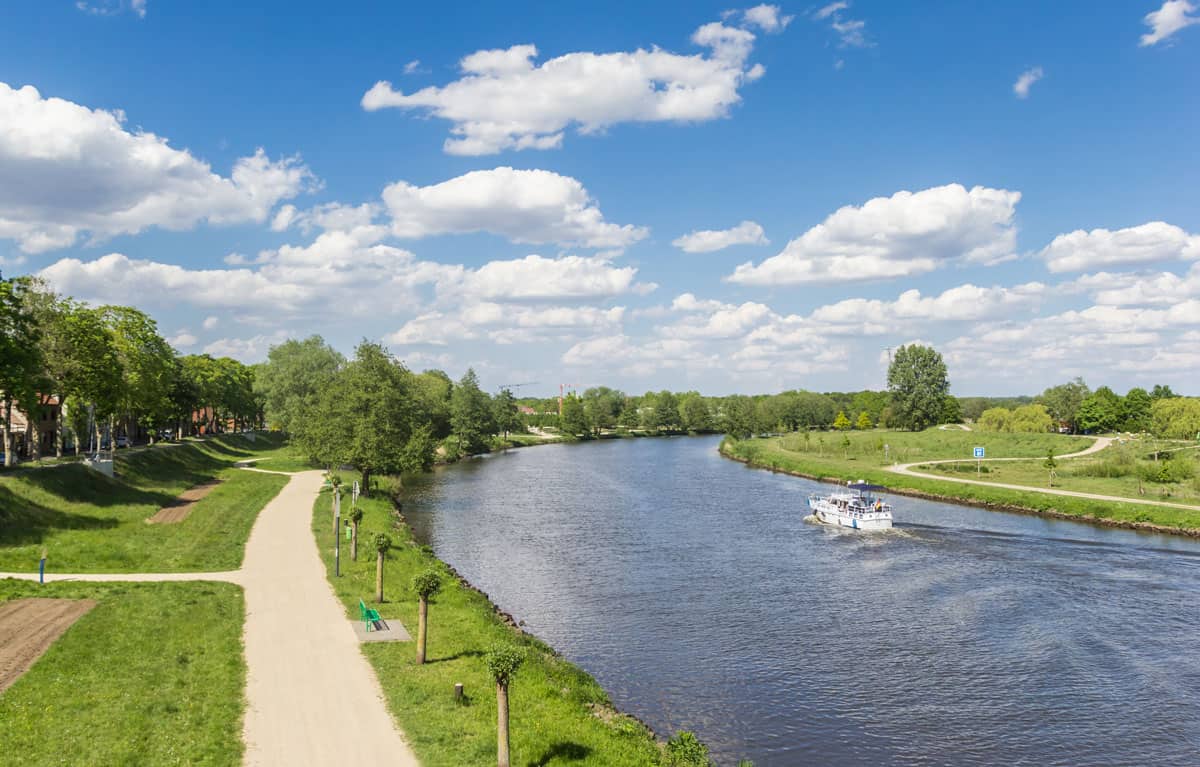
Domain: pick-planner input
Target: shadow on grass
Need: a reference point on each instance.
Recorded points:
(457, 656)
(562, 751)
(77, 484)
(23, 522)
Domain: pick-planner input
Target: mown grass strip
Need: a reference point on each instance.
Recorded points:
(90, 523)
(153, 675)
(560, 715)
(770, 453)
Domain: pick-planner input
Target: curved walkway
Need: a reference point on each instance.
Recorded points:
(1095, 447)
(312, 698)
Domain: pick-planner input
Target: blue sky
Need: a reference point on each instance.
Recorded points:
(519, 187)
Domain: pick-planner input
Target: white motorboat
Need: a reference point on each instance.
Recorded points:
(856, 507)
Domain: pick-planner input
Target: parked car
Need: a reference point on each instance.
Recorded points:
(122, 441)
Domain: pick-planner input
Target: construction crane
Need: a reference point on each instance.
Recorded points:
(510, 387)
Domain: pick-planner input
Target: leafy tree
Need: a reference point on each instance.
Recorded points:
(686, 750)
(382, 542)
(995, 419)
(21, 361)
(1161, 391)
(1135, 410)
(845, 445)
(426, 584)
(1063, 401)
(506, 416)
(292, 378)
(694, 415)
(146, 363)
(1032, 419)
(471, 414)
(841, 423)
(502, 663)
(602, 406)
(1099, 411)
(738, 412)
(1176, 418)
(918, 385)
(666, 410)
(433, 389)
(864, 421)
(952, 412)
(367, 417)
(1050, 465)
(574, 417)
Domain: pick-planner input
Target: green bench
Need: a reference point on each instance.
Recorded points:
(369, 615)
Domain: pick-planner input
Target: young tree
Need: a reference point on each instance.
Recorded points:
(502, 663)
(918, 385)
(426, 584)
(864, 421)
(1050, 465)
(471, 414)
(356, 515)
(845, 445)
(383, 542)
(841, 423)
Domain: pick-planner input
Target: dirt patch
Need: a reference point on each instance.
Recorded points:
(27, 629)
(178, 510)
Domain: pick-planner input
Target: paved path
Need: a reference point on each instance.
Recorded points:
(1097, 446)
(312, 697)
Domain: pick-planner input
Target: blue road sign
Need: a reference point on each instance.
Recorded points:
(978, 452)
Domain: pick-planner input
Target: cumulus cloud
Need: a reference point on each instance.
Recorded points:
(535, 277)
(68, 170)
(1173, 16)
(906, 234)
(112, 7)
(1152, 242)
(1026, 80)
(526, 206)
(505, 324)
(505, 100)
(768, 18)
(1139, 289)
(963, 303)
(183, 339)
(709, 240)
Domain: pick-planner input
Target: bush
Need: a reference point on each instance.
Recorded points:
(686, 750)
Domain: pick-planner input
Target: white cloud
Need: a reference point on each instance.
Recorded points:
(68, 170)
(526, 206)
(112, 7)
(211, 322)
(505, 324)
(723, 321)
(247, 350)
(963, 303)
(851, 32)
(504, 100)
(1152, 242)
(768, 18)
(902, 235)
(535, 277)
(709, 240)
(1167, 20)
(1138, 289)
(139, 7)
(1026, 80)
(412, 67)
(183, 339)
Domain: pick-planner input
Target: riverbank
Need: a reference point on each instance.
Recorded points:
(559, 712)
(765, 454)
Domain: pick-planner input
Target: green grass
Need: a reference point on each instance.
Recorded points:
(552, 701)
(864, 461)
(90, 523)
(153, 675)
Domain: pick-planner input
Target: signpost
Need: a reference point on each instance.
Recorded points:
(978, 461)
(337, 523)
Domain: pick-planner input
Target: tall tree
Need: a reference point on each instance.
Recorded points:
(918, 385)
(293, 376)
(574, 420)
(1161, 391)
(1063, 401)
(146, 363)
(21, 361)
(1099, 411)
(738, 416)
(1135, 410)
(506, 415)
(471, 414)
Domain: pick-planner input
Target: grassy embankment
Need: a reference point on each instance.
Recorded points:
(823, 457)
(90, 523)
(153, 675)
(560, 715)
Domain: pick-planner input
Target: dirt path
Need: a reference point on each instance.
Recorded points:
(27, 629)
(312, 697)
(178, 510)
(1097, 446)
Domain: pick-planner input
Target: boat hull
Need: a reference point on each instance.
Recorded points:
(837, 518)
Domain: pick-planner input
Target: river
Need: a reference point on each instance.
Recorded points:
(692, 588)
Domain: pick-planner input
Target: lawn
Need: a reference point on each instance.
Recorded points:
(153, 675)
(823, 457)
(87, 522)
(553, 702)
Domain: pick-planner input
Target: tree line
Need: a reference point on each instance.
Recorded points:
(78, 372)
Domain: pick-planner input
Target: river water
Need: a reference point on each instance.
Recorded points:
(692, 588)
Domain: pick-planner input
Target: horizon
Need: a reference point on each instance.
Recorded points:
(743, 201)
